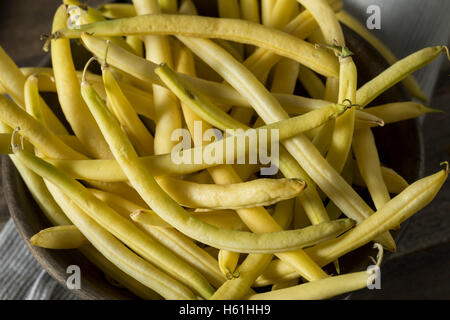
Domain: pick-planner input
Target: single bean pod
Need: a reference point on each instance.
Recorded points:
(396, 73)
(228, 29)
(62, 237)
(318, 290)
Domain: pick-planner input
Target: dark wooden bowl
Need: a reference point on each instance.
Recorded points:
(400, 145)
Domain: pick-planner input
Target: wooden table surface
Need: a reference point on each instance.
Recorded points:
(420, 268)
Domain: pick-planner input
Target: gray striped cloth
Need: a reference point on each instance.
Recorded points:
(406, 26)
(21, 276)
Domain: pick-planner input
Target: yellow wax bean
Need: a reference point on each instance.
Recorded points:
(72, 104)
(225, 219)
(326, 19)
(312, 83)
(41, 195)
(344, 128)
(34, 108)
(398, 111)
(173, 208)
(220, 93)
(124, 280)
(241, 31)
(119, 204)
(285, 76)
(200, 177)
(333, 35)
(322, 140)
(281, 13)
(80, 14)
(317, 37)
(347, 173)
(136, 43)
(368, 161)
(394, 182)
(317, 290)
(54, 213)
(261, 61)
(410, 82)
(127, 116)
(36, 133)
(277, 271)
(117, 10)
(231, 196)
(250, 10)
(396, 73)
(170, 221)
(284, 285)
(281, 84)
(63, 237)
(141, 100)
(167, 110)
(86, 200)
(403, 206)
(32, 98)
(230, 9)
(238, 287)
(230, 48)
(13, 82)
(266, 10)
(228, 262)
(298, 105)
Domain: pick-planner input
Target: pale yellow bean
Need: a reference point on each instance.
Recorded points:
(368, 162)
(62, 237)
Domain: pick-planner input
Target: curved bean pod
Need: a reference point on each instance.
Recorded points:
(126, 114)
(68, 88)
(241, 31)
(62, 237)
(368, 161)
